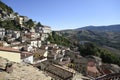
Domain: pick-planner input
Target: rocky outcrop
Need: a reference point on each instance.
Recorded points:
(21, 71)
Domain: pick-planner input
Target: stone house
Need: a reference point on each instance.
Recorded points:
(35, 43)
(42, 38)
(32, 30)
(38, 29)
(40, 55)
(9, 33)
(2, 33)
(29, 48)
(64, 61)
(10, 54)
(16, 34)
(58, 54)
(4, 15)
(52, 45)
(22, 39)
(14, 43)
(10, 40)
(45, 35)
(19, 19)
(46, 29)
(15, 55)
(44, 47)
(4, 44)
(32, 35)
(12, 16)
(17, 46)
(25, 19)
(27, 57)
(55, 54)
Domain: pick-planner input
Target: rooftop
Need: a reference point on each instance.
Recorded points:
(9, 49)
(59, 72)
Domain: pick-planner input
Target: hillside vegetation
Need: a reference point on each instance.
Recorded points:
(5, 7)
(10, 25)
(57, 39)
(101, 38)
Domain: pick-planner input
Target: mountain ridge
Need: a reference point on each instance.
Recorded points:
(115, 28)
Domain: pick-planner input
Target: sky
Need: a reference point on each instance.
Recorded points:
(68, 14)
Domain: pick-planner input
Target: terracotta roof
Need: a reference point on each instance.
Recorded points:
(59, 72)
(9, 49)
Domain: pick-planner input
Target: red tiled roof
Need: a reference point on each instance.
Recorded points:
(9, 49)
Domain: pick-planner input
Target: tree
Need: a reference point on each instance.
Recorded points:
(39, 24)
(88, 49)
(10, 24)
(30, 23)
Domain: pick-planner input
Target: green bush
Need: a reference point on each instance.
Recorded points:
(10, 25)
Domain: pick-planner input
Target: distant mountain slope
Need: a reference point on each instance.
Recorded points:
(102, 36)
(113, 28)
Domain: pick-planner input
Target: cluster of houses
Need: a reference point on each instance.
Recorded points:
(23, 44)
(31, 46)
(12, 16)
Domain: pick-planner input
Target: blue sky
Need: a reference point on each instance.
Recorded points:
(69, 14)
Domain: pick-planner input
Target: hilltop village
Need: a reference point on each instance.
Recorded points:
(29, 44)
